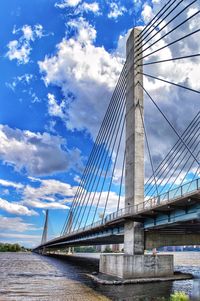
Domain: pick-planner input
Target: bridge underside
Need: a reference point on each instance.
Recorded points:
(171, 223)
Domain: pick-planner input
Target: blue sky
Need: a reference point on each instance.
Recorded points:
(58, 59)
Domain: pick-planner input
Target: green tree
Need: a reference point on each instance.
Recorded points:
(5, 247)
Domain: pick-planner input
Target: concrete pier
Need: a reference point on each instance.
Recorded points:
(133, 263)
(136, 266)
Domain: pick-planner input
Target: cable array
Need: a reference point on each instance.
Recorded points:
(99, 192)
(92, 196)
(182, 161)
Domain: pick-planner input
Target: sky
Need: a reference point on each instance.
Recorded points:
(60, 61)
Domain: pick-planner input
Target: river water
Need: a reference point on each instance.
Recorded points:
(29, 277)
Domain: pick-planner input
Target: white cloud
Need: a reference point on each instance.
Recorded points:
(55, 109)
(85, 32)
(121, 45)
(28, 32)
(20, 50)
(147, 12)
(100, 199)
(44, 205)
(21, 236)
(51, 194)
(6, 192)
(88, 7)
(15, 208)
(11, 184)
(15, 224)
(50, 127)
(79, 7)
(83, 84)
(36, 153)
(26, 240)
(112, 202)
(77, 179)
(94, 7)
(68, 3)
(54, 194)
(116, 10)
(24, 79)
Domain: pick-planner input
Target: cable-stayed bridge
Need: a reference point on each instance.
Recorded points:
(119, 198)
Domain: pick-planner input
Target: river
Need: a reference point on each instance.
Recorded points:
(29, 277)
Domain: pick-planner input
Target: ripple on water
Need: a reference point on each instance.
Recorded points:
(29, 277)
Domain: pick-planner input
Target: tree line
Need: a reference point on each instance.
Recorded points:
(6, 247)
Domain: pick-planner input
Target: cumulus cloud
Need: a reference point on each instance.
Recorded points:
(68, 3)
(6, 183)
(82, 83)
(36, 153)
(54, 194)
(147, 13)
(15, 208)
(116, 10)
(79, 8)
(89, 7)
(112, 202)
(50, 126)
(16, 236)
(15, 224)
(20, 49)
(50, 194)
(99, 199)
(55, 109)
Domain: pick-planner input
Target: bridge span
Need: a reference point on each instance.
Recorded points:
(167, 221)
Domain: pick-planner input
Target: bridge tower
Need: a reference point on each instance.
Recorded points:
(133, 263)
(45, 231)
(134, 176)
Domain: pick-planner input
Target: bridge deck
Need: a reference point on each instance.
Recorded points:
(186, 205)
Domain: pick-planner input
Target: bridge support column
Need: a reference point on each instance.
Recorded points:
(134, 177)
(133, 263)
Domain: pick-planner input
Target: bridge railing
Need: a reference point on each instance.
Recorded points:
(177, 192)
(155, 201)
(151, 203)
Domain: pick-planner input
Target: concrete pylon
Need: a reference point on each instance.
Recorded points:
(45, 230)
(134, 176)
(133, 263)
